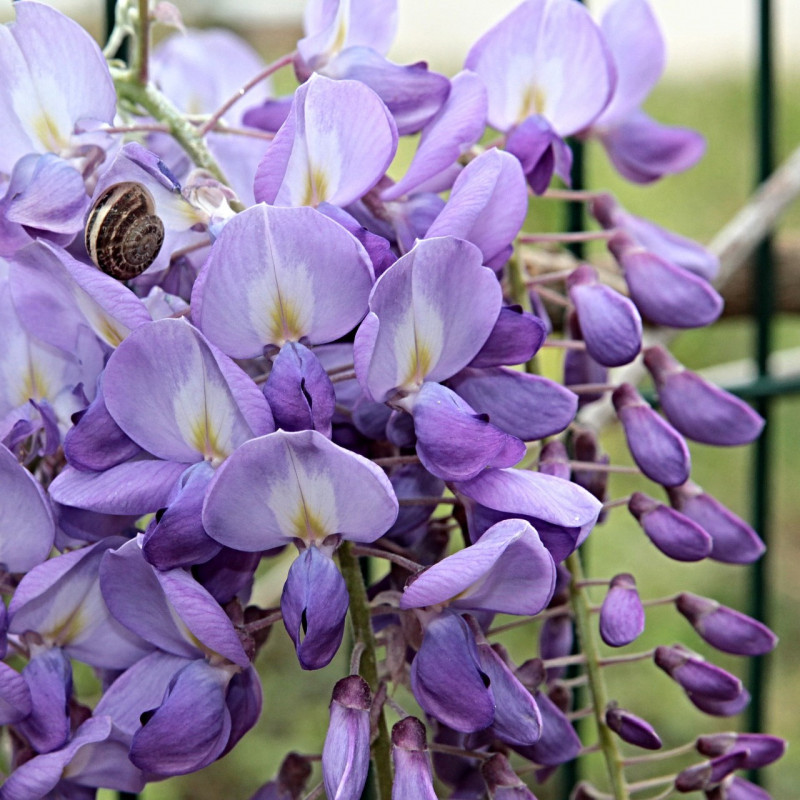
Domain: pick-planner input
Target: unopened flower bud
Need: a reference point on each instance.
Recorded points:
(501, 780)
(697, 408)
(709, 773)
(736, 788)
(724, 628)
(412, 771)
(345, 755)
(657, 448)
(762, 749)
(622, 613)
(291, 781)
(734, 541)
(632, 729)
(673, 533)
(697, 676)
(721, 708)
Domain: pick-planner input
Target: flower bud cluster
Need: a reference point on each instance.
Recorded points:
(231, 338)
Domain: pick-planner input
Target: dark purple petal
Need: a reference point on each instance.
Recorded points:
(412, 770)
(724, 628)
(299, 391)
(609, 323)
(314, 604)
(413, 481)
(737, 788)
(516, 718)
(515, 339)
(720, 708)
(345, 755)
(96, 442)
(413, 94)
(632, 729)
(696, 676)
(244, 702)
(554, 460)
(521, 404)
(455, 442)
(657, 448)
(175, 536)
(559, 742)
(622, 614)
(734, 541)
(541, 151)
(644, 150)
(697, 408)
(446, 677)
(49, 678)
(673, 533)
(190, 728)
(664, 293)
(556, 639)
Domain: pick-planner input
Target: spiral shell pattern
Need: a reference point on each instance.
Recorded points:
(123, 235)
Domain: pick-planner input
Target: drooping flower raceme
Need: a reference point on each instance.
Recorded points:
(331, 363)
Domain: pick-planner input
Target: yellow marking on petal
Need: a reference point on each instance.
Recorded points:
(110, 334)
(420, 366)
(206, 441)
(34, 386)
(307, 525)
(47, 132)
(341, 37)
(285, 322)
(533, 102)
(316, 190)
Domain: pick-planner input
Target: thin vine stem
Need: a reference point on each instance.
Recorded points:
(588, 643)
(363, 635)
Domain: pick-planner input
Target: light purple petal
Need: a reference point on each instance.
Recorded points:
(644, 150)
(622, 614)
(281, 274)
(287, 485)
(25, 517)
(61, 600)
(164, 388)
(506, 571)
(55, 76)
(487, 204)
(516, 337)
(457, 125)
(522, 404)
(413, 779)
(49, 677)
(435, 307)
(36, 778)
(15, 696)
(134, 487)
(637, 49)
(329, 159)
(544, 58)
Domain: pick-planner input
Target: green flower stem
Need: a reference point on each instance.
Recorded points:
(362, 633)
(143, 43)
(160, 108)
(588, 644)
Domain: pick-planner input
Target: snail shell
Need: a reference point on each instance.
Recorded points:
(123, 235)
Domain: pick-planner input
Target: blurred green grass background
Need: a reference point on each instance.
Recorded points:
(696, 204)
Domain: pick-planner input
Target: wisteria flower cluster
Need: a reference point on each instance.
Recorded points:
(228, 335)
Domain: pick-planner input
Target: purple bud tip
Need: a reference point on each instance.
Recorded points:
(352, 692)
(497, 773)
(582, 275)
(409, 734)
(632, 729)
(762, 749)
(294, 774)
(602, 209)
(708, 774)
(531, 673)
(725, 628)
(622, 614)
